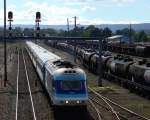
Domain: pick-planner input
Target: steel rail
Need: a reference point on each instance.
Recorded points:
(97, 111)
(120, 115)
(123, 108)
(112, 109)
(29, 87)
(17, 88)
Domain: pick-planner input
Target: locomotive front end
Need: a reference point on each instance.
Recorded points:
(70, 87)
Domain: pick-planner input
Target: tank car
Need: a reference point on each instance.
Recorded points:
(80, 51)
(94, 62)
(62, 46)
(140, 72)
(86, 56)
(70, 48)
(52, 43)
(64, 82)
(119, 66)
(142, 51)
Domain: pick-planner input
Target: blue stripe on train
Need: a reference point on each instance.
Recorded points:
(71, 97)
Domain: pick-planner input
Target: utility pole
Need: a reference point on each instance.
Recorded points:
(100, 64)
(68, 30)
(68, 26)
(5, 46)
(130, 37)
(75, 42)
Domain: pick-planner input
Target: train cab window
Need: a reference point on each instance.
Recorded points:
(53, 83)
(71, 85)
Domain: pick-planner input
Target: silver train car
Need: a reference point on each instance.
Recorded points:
(64, 82)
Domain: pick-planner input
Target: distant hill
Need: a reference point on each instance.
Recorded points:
(137, 27)
(113, 27)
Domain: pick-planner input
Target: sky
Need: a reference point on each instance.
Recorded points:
(55, 12)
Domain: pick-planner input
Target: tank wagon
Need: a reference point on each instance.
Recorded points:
(119, 66)
(136, 50)
(140, 72)
(122, 69)
(64, 82)
(86, 56)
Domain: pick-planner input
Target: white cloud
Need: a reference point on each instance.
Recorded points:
(88, 8)
(123, 1)
(87, 1)
(53, 14)
(50, 13)
(84, 21)
(50, 9)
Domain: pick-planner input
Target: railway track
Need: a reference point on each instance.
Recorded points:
(133, 86)
(25, 108)
(32, 102)
(119, 111)
(124, 116)
(96, 109)
(100, 104)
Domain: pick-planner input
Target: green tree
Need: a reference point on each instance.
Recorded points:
(28, 32)
(17, 31)
(142, 36)
(107, 32)
(125, 31)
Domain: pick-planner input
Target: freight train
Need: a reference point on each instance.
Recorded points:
(118, 65)
(64, 82)
(135, 49)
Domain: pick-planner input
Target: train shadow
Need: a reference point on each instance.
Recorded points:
(72, 113)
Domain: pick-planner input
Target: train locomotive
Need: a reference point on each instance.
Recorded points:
(64, 82)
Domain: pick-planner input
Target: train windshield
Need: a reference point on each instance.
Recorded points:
(71, 85)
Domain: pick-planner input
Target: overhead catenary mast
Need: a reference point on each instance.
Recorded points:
(75, 42)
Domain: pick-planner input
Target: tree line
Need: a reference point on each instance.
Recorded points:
(90, 31)
(137, 36)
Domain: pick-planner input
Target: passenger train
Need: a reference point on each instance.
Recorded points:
(64, 82)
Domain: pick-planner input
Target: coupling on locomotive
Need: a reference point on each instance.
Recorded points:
(64, 82)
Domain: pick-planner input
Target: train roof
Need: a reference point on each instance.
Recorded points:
(55, 65)
(69, 74)
(42, 53)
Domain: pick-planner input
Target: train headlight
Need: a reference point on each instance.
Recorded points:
(67, 102)
(78, 102)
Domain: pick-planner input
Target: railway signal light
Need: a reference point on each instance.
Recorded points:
(37, 25)
(10, 15)
(38, 15)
